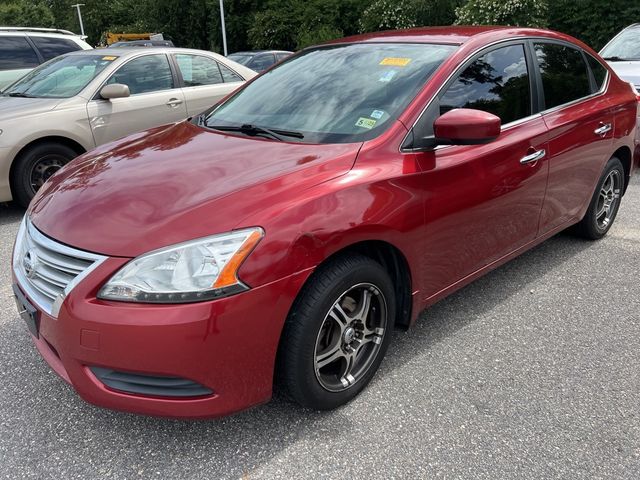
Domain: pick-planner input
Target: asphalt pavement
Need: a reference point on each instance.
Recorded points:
(531, 372)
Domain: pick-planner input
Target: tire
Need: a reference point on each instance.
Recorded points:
(604, 204)
(34, 166)
(325, 323)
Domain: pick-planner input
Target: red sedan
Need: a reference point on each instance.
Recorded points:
(278, 238)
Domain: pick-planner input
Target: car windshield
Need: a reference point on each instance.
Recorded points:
(335, 94)
(625, 46)
(241, 59)
(62, 77)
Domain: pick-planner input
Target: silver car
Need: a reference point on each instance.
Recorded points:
(623, 54)
(78, 101)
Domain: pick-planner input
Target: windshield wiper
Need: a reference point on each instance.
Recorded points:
(615, 59)
(249, 129)
(20, 94)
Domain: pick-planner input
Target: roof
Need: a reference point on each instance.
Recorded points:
(255, 52)
(452, 34)
(37, 30)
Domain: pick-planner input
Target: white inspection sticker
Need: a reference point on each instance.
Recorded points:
(377, 114)
(387, 76)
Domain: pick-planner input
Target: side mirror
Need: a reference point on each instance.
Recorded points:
(466, 126)
(114, 90)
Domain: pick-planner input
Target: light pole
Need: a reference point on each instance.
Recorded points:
(77, 6)
(224, 33)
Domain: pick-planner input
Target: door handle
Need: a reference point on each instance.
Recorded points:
(602, 129)
(533, 157)
(174, 102)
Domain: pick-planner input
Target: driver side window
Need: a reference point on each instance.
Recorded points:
(497, 82)
(150, 73)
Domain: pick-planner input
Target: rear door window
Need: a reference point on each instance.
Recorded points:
(53, 47)
(565, 77)
(197, 70)
(497, 82)
(16, 53)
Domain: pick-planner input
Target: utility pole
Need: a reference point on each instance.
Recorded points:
(224, 33)
(77, 6)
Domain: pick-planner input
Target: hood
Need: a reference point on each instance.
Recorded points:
(627, 71)
(176, 183)
(14, 107)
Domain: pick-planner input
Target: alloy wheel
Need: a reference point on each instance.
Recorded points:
(350, 337)
(608, 199)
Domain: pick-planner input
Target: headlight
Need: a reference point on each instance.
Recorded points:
(192, 271)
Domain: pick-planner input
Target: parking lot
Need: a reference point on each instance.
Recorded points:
(532, 371)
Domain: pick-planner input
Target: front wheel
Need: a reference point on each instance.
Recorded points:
(35, 166)
(604, 204)
(337, 332)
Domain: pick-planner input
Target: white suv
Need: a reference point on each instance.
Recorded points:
(22, 49)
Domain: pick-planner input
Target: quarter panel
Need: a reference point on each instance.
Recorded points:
(577, 157)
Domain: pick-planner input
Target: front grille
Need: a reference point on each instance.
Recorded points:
(47, 270)
(153, 385)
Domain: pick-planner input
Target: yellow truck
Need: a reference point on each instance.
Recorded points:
(111, 37)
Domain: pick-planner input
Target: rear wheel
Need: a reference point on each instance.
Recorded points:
(337, 332)
(604, 204)
(35, 166)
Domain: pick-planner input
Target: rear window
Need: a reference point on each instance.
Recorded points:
(262, 62)
(53, 47)
(241, 59)
(16, 53)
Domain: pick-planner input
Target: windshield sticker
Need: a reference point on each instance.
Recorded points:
(387, 76)
(109, 58)
(395, 61)
(366, 123)
(377, 114)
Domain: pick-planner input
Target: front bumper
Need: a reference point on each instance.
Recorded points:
(228, 345)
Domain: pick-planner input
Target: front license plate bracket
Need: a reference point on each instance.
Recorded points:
(27, 312)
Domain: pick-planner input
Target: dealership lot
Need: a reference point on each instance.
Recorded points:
(531, 372)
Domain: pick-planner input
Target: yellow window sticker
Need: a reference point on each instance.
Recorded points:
(395, 61)
(109, 58)
(368, 123)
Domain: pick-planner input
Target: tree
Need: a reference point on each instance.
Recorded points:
(436, 12)
(591, 23)
(295, 24)
(389, 15)
(22, 13)
(523, 13)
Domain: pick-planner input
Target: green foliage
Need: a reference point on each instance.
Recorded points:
(436, 12)
(321, 34)
(23, 12)
(389, 15)
(523, 13)
(294, 24)
(592, 22)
